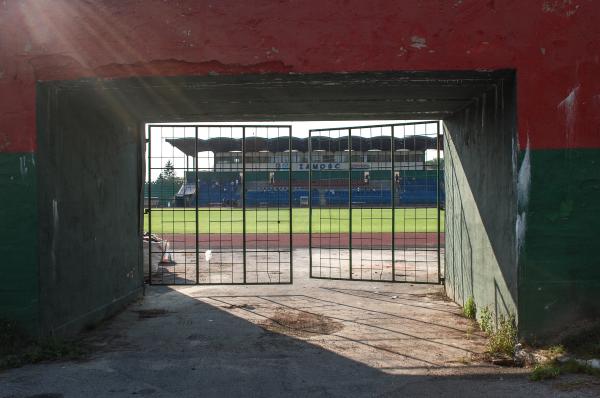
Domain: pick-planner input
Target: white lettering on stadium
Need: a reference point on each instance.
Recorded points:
(320, 166)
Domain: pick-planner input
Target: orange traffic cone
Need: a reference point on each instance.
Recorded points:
(166, 256)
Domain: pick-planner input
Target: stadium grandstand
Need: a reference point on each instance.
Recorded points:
(267, 168)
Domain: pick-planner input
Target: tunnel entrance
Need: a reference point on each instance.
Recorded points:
(91, 173)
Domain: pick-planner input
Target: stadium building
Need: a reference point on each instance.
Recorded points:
(320, 170)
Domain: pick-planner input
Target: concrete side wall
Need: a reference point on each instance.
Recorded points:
(89, 173)
(481, 203)
(90, 165)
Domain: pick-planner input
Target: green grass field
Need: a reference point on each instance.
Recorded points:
(217, 220)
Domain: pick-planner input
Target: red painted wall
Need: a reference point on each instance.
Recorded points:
(553, 44)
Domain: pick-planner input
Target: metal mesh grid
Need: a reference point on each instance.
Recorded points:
(328, 236)
(417, 237)
(217, 232)
(384, 223)
(174, 259)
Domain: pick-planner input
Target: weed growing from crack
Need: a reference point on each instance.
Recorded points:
(470, 309)
(544, 372)
(485, 320)
(553, 369)
(502, 341)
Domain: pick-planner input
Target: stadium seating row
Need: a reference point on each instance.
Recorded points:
(417, 190)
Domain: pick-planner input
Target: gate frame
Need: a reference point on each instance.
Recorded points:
(440, 278)
(196, 126)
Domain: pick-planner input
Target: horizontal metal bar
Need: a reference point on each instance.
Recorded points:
(376, 126)
(375, 280)
(222, 284)
(150, 125)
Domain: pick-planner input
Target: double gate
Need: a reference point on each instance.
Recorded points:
(219, 202)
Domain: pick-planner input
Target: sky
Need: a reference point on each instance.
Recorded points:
(161, 151)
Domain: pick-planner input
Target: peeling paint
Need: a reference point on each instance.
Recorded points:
(515, 151)
(524, 180)
(23, 166)
(521, 228)
(173, 67)
(523, 187)
(561, 7)
(55, 231)
(418, 42)
(568, 107)
(569, 101)
(5, 142)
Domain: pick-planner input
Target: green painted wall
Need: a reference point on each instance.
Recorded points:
(559, 278)
(19, 293)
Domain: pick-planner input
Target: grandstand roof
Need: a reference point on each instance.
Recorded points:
(190, 146)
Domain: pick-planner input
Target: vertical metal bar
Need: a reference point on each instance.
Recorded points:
(244, 200)
(350, 200)
(290, 204)
(310, 205)
(149, 206)
(393, 184)
(197, 213)
(437, 141)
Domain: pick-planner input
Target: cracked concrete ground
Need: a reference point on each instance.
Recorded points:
(314, 338)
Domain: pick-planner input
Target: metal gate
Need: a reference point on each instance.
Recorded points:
(375, 211)
(212, 212)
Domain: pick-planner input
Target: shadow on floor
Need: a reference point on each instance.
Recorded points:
(186, 343)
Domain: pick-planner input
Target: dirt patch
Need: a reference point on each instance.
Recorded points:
(438, 296)
(151, 313)
(497, 359)
(301, 324)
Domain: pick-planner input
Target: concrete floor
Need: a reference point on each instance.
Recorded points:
(313, 338)
(226, 265)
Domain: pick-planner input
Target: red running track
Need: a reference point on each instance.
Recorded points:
(409, 240)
